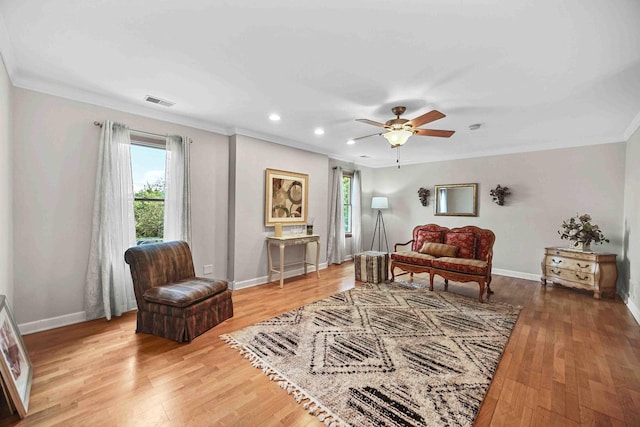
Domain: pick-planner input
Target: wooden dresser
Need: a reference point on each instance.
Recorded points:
(593, 271)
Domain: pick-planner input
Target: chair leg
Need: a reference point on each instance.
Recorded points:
(481, 290)
(489, 291)
(446, 284)
(431, 276)
(393, 274)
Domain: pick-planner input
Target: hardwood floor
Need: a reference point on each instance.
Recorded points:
(571, 360)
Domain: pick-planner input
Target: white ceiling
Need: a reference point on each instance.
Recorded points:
(536, 74)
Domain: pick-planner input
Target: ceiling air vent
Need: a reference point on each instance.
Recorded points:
(156, 100)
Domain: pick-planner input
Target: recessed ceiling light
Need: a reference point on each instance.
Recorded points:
(319, 131)
(351, 141)
(274, 117)
(475, 126)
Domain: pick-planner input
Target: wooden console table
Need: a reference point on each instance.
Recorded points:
(593, 271)
(292, 240)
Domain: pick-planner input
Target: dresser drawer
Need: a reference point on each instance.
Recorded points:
(596, 271)
(564, 253)
(570, 275)
(580, 265)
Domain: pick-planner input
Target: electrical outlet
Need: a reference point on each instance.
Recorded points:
(208, 269)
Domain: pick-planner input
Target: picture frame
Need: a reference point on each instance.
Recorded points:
(286, 197)
(15, 366)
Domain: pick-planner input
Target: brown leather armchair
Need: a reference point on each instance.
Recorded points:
(172, 302)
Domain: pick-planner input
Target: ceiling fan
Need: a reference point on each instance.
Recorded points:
(399, 130)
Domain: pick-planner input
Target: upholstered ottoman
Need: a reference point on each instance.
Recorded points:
(372, 266)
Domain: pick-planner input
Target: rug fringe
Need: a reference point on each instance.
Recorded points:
(310, 405)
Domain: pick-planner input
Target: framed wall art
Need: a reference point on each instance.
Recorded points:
(286, 197)
(15, 365)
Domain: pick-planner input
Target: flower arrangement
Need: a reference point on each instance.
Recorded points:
(498, 194)
(579, 229)
(424, 193)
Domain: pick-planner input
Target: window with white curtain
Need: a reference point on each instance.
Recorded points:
(347, 180)
(148, 161)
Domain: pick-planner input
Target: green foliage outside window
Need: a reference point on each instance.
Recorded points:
(148, 207)
(346, 186)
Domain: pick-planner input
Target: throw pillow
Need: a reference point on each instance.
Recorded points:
(465, 241)
(423, 236)
(439, 249)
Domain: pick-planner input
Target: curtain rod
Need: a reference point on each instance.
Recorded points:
(97, 123)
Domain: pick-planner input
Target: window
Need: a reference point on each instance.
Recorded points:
(148, 158)
(347, 187)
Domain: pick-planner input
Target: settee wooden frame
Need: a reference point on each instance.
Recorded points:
(483, 280)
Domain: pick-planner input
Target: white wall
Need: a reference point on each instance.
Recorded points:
(6, 167)
(55, 158)
(631, 228)
(546, 187)
(249, 248)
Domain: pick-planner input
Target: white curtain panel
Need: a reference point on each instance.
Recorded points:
(109, 288)
(336, 242)
(356, 212)
(177, 197)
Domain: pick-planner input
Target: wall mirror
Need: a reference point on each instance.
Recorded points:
(456, 200)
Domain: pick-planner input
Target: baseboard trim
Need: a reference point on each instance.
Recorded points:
(516, 274)
(633, 308)
(263, 280)
(73, 318)
(52, 323)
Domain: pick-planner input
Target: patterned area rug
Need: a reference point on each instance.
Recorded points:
(384, 355)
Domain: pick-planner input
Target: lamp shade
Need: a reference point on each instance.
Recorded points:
(379, 203)
(397, 137)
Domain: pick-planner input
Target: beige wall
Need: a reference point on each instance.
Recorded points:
(250, 157)
(631, 230)
(55, 158)
(6, 167)
(546, 187)
(52, 179)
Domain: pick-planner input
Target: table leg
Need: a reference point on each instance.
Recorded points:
(317, 258)
(282, 265)
(270, 261)
(304, 258)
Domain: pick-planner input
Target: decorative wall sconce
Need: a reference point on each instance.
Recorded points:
(424, 194)
(498, 194)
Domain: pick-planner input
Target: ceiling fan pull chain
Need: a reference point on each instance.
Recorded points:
(398, 157)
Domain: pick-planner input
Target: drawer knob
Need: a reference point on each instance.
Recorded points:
(556, 261)
(556, 272)
(581, 278)
(583, 266)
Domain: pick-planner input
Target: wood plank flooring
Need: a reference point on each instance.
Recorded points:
(571, 360)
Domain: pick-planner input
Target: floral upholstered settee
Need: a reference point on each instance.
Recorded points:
(460, 254)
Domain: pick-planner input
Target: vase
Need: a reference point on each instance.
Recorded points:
(582, 246)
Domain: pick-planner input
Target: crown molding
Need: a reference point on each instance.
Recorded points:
(101, 100)
(498, 152)
(282, 141)
(6, 51)
(632, 128)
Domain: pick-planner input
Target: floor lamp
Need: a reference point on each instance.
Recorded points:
(379, 230)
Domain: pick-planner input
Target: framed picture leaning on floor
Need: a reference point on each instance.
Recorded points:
(15, 365)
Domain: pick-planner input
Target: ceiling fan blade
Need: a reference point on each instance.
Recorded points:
(366, 136)
(371, 122)
(435, 132)
(426, 118)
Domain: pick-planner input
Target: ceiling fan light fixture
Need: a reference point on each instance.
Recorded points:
(397, 137)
